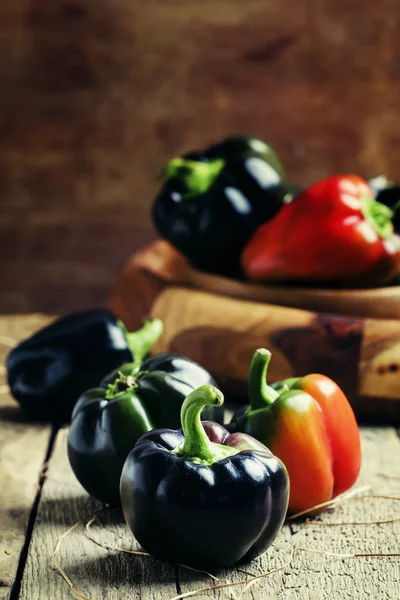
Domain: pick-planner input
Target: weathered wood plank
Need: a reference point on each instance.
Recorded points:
(104, 575)
(316, 577)
(94, 571)
(23, 447)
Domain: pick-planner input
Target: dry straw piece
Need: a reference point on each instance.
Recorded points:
(138, 552)
(58, 567)
(330, 503)
(389, 476)
(252, 579)
(343, 523)
(108, 546)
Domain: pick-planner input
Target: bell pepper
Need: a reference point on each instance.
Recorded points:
(236, 145)
(108, 420)
(309, 424)
(48, 371)
(212, 203)
(388, 193)
(334, 232)
(203, 501)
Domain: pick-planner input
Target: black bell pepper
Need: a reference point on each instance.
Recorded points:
(108, 421)
(203, 501)
(234, 146)
(237, 145)
(209, 206)
(49, 371)
(388, 193)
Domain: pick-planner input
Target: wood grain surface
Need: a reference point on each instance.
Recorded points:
(222, 334)
(104, 575)
(94, 571)
(159, 264)
(98, 95)
(315, 577)
(380, 303)
(23, 448)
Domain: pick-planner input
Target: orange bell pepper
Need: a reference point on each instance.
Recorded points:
(309, 424)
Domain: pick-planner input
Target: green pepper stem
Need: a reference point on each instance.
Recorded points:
(260, 393)
(141, 342)
(197, 176)
(378, 215)
(120, 385)
(197, 445)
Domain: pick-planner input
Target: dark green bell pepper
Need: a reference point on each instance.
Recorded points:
(213, 201)
(107, 421)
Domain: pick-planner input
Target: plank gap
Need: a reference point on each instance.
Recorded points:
(16, 586)
(177, 581)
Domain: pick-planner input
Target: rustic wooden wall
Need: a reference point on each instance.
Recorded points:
(96, 95)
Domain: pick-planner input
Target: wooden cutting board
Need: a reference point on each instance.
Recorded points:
(220, 323)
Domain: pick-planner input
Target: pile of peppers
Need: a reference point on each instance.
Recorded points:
(147, 430)
(147, 433)
(229, 210)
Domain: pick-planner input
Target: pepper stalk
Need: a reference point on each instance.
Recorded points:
(140, 342)
(260, 393)
(197, 176)
(197, 447)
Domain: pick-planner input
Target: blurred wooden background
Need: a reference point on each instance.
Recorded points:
(96, 95)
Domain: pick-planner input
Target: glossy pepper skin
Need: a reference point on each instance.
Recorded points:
(334, 232)
(388, 193)
(203, 500)
(210, 205)
(309, 424)
(49, 371)
(238, 145)
(107, 421)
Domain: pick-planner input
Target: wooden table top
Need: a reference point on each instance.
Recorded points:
(39, 504)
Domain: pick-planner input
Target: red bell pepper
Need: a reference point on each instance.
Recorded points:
(334, 231)
(309, 424)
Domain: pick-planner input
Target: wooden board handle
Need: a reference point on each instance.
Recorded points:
(166, 264)
(144, 276)
(361, 355)
(222, 333)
